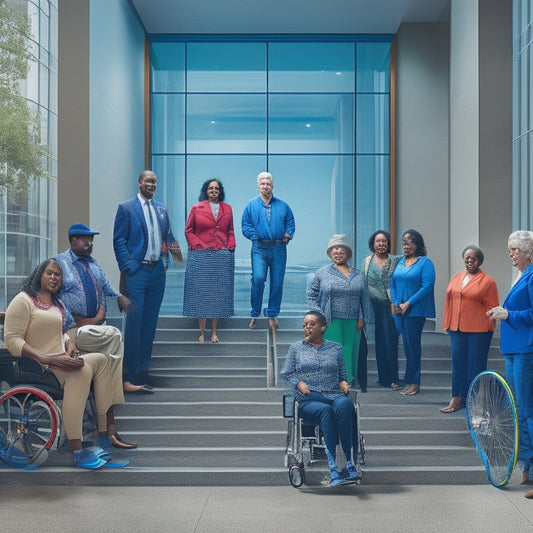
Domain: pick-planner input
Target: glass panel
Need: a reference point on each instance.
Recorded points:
(311, 67)
(373, 67)
(372, 124)
(168, 67)
(320, 191)
(311, 123)
(226, 67)
(372, 200)
(226, 123)
(168, 123)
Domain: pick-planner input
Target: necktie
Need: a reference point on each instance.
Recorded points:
(153, 252)
(89, 288)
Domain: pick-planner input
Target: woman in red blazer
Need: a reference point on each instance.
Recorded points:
(469, 296)
(208, 290)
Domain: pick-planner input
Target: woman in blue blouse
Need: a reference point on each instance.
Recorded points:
(516, 342)
(340, 293)
(315, 368)
(411, 291)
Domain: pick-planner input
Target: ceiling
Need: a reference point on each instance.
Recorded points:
(285, 16)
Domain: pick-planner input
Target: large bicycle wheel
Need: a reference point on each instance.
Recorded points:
(493, 425)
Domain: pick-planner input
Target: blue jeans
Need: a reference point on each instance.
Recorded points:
(469, 358)
(386, 343)
(410, 328)
(265, 256)
(146, 287)
(336, 419)
(519, 375)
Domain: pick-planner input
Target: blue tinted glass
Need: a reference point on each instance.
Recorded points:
(226, 67)
(311, 67)
(320, 191)
(168, 67)
(372, 126)
(372, 200)
(170, 172)
(168, 123)
(373, 67)
(318, 123)
(226, 123)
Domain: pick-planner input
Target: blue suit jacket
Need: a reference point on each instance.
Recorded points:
(130, 233)
(517, 330)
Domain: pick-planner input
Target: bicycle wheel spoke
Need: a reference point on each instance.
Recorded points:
(493, 424)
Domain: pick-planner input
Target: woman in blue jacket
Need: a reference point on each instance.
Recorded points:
(413, 301)
(516, 341)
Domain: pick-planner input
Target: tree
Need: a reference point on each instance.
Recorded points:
(20, 137)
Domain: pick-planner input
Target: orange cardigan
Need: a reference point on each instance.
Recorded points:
(465, 309)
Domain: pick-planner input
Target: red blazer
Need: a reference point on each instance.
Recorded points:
(465, 309)
(202, 231)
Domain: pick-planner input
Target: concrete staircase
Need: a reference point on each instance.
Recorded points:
(212, 420)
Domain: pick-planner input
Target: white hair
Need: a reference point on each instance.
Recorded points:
(265, 175)
(523, 240)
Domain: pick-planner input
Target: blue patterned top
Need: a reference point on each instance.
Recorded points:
(72, 293)
(322, 368)
(337, 296)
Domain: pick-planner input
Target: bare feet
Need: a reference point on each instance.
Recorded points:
(252, 324)
(214, 338)
(273, 323)
(130, 387)
(201, 338)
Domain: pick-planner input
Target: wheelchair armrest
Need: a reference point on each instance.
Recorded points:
(288, 405)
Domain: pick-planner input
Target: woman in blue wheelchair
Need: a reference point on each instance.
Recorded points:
(34, 327)
(315, 367)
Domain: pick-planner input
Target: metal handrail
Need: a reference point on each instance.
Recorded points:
(272, 358)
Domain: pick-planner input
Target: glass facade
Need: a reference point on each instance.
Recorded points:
(522, 114)
(314, 113)
(28, 221)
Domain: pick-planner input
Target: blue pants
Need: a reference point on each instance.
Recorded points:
(146, 288)
(386, 343)
(336, 419)
(469, 358)
(273, 256)
(519, 375)
(410, 328)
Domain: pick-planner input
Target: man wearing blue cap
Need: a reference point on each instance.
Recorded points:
(83, 292)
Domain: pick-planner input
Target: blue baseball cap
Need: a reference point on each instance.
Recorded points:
(81, 229)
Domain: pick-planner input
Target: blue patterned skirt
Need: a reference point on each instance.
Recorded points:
(208, 291)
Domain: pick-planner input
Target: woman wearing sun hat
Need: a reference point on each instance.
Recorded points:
(340, 292)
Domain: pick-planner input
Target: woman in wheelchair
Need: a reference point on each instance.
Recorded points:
(315, 367)
(34, 327)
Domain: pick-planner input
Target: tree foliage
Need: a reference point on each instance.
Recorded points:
(20, 138)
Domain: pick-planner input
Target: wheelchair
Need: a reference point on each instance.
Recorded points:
(30, 419)
(305, 455)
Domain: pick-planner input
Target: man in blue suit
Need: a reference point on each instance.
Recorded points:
(142, 227)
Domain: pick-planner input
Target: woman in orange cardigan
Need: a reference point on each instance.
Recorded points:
(469, 296)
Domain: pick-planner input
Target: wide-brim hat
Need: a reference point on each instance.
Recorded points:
(339, 240)
(81, 229)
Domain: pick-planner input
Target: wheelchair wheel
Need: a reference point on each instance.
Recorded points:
(493, 425)
(29, 422)
(296, 476)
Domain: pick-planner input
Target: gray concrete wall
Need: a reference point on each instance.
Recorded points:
(481, 133)
(101, 117)
(73, 116)
(422, 189)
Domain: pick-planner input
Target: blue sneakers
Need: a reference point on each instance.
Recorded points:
(335, 477)
(89, 458)
(350, 473)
